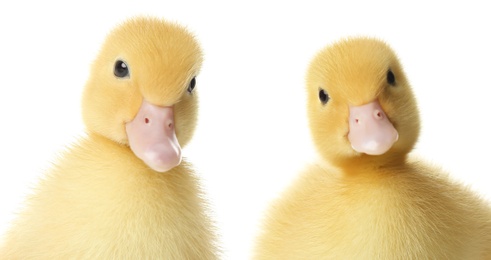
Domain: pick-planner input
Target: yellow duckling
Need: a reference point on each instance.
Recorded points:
(366, 199)
(123, 191)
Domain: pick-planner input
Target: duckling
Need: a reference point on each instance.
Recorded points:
(124, 191)
(364, 197)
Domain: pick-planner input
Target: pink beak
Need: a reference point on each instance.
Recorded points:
(152, 137)
(370, 131)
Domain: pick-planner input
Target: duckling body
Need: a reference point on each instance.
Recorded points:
(405, 212)
(100, 202)
(104, 199)
(382, 205)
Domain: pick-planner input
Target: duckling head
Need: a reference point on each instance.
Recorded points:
(360, 104)
(141, 90)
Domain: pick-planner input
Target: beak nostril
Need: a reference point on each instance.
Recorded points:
(147, 120)
(378, 114)
(170, 125)
(356, 120)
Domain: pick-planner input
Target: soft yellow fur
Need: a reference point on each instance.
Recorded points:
(100, 201)
(356, 206)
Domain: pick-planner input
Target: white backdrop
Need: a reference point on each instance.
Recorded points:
(252, 138)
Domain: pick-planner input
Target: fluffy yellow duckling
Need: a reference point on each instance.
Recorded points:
(123, 191)
(365, 199)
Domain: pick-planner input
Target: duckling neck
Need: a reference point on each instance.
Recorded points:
(368, 163)
(99, 140)
(106, 149)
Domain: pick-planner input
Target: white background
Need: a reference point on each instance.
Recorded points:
(252, 138)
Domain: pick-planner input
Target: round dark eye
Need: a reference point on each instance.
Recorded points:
(323, 96)
(121, 69)
(192, 84)
(391, 79)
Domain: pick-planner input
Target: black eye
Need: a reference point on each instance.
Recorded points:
(391, 79)
(121, 69)
(323, 96)
(192, 84)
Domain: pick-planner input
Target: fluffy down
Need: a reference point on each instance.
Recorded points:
(100, 201)
(352, 205)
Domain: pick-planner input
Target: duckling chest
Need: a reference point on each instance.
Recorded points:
(110, 202)
(366, 218)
